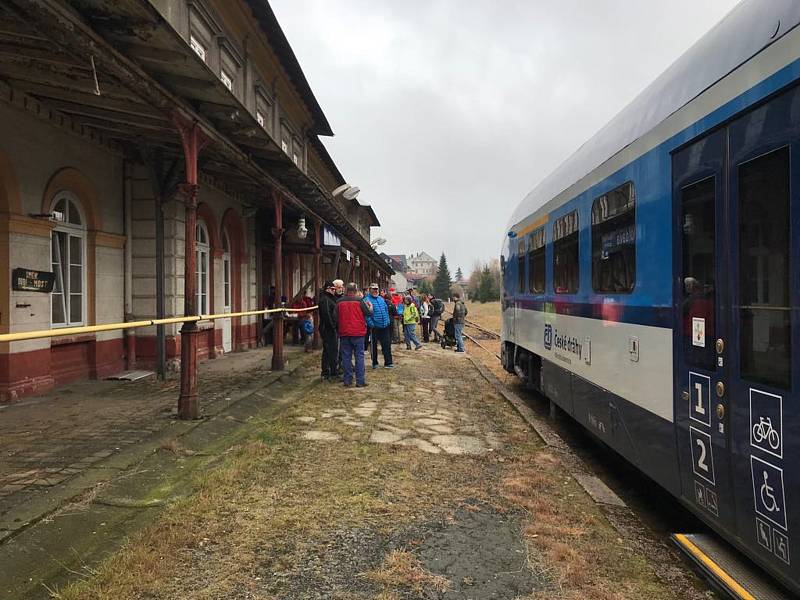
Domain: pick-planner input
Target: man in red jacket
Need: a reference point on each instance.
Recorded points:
(351, 314)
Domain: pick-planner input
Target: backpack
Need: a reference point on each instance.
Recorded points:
(438, 307)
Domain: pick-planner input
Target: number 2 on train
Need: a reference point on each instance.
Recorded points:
(702, 455)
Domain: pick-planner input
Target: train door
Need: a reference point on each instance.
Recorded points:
(737, 412)
(701, 321)
(761, 350)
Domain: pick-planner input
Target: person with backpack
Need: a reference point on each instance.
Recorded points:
(436, 311)
(459, 318)
(410, 320)
(380, 322)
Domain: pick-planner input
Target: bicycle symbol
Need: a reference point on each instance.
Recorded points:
(763, 430)
(766, 494)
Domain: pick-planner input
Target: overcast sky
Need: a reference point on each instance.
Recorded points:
(446, 113)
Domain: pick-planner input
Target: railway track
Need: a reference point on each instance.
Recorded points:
(486, 333)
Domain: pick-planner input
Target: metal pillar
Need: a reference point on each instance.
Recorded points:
(277, 318)
(317, 279)
(193, 141)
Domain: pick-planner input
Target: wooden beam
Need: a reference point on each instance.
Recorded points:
(97, 112)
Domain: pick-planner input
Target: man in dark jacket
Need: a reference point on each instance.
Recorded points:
(351, 318)
(437, 309)
(327, 331)
(459, 317)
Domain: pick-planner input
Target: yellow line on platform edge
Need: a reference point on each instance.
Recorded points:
(732, 584)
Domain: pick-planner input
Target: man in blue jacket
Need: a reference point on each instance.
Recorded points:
(381, 326)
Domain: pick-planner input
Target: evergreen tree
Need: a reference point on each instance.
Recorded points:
(488, 290)
(441, 285)
(424, 286)
(459, 274)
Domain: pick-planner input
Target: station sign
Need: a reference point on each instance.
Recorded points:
(28, 280)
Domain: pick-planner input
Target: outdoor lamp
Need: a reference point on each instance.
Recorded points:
(302, 232)
(358, 260)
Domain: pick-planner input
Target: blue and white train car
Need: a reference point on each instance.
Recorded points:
(652, 283)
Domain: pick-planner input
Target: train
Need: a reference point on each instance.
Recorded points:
(651, 283)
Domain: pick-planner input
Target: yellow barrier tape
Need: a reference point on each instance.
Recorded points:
(67, 331)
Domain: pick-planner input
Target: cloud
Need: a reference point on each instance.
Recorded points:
(447, 112)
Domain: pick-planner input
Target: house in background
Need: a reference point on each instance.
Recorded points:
(423, 264)
(397, 262)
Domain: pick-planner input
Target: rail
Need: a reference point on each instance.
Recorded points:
(62, 331)
(483, 330)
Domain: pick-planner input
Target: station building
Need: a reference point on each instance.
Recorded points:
(132, 132)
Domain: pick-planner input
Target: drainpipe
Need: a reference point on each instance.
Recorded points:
(127, 219)
(161, 358)
(277, 318)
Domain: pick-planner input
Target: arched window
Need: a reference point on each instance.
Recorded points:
(226, 271)
(202, 250)
(68, 260)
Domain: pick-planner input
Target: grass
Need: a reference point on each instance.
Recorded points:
(487, 315)
(276, 499)
(258, 511)
(570, 537)
(402, 569)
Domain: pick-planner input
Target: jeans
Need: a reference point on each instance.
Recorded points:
(410, 334)
(426, 330)
(382, 335)
(330, 353)
(434, 324)
(352, 346)
(459, 327)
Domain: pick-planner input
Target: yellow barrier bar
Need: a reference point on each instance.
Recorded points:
(65, 331)
(34, 335)
(729, 581)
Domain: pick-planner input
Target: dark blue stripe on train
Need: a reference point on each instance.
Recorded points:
(653, 316)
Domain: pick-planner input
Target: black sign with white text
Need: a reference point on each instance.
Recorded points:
(28, 280)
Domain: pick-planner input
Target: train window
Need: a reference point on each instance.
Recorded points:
(566, 267)
(698, 205)
(536, 266)
(614, 240)
(521, 265)
(764, 288)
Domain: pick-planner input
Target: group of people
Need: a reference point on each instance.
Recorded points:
(351, 320)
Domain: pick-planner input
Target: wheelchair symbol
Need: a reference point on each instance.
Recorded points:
(767, 495)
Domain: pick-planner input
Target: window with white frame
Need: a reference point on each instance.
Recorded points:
(285, 146)
(264, 108)
(68, 257)
(202, 252)
(295, 158)
(226, 271)
(226, 79)
(198, 47)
